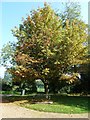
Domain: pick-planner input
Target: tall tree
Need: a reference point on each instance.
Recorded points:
(45, 49)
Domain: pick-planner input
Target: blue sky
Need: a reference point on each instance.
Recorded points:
(11, 14)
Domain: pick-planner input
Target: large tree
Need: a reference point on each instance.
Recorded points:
(45, 49)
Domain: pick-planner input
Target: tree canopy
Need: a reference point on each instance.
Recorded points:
(45, 48)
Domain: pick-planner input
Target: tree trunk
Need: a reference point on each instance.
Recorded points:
(75, 68)
(46, 90)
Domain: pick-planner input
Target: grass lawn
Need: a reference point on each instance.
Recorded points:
(56, 108)
(9, 92)
(61, 104)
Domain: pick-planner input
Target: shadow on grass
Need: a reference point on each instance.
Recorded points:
(82, 102)
(74, 101)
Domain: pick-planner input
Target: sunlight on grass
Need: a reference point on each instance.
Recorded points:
(56, 108)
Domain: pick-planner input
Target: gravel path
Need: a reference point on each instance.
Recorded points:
(11, 110)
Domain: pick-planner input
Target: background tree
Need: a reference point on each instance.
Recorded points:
(71, 11)
(6, 82)
(7, 52)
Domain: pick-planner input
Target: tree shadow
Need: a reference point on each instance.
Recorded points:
(8, 99)
(74, 101)
(11, 98)
(82, 102)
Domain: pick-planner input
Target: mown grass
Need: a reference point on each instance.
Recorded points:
(61, 104)
(9, 92)
(55, 108)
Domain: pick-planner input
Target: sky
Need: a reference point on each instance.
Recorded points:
(11, 13)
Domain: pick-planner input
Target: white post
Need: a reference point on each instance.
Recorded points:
(23, 92)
